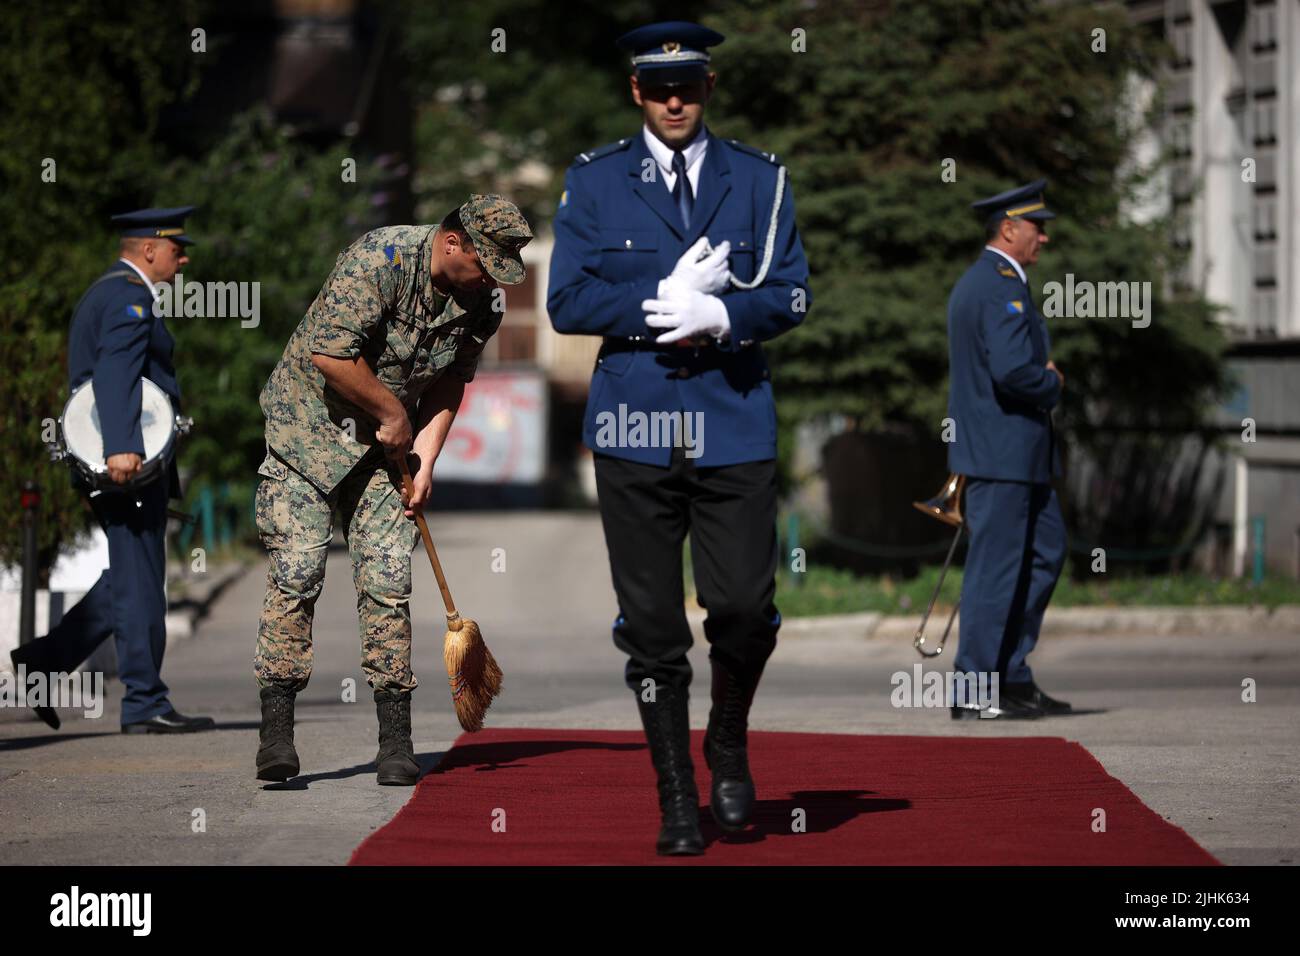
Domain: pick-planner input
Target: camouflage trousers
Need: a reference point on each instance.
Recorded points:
(295, 522)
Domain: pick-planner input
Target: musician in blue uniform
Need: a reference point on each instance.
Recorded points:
(116, 340)
(1003, 387)
(680, 249)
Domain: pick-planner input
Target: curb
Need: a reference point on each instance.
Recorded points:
(1206, 619)
(193, 597)
(190, 601)
(1209, 619)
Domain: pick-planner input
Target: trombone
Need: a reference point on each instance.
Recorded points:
(946, 506)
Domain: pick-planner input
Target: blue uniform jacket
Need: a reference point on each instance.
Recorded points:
(616, 236)
(1000, 392)
(116, 339)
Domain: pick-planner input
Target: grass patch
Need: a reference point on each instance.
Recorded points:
(833, 591)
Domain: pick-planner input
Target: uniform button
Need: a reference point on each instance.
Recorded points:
(683, 372)
(627, 243)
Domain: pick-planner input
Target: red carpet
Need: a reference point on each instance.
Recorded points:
(588, 797)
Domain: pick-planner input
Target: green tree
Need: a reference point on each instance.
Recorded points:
(85, 88)
(272, 211)
(865, 115)
(1009, 92)
(520, 116)
(82, 87)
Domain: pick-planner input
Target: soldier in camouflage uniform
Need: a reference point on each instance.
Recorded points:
(375, 369)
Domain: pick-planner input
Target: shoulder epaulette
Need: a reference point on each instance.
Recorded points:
(744, 148)
(601, 151)
(134, 280)
(1007, 271)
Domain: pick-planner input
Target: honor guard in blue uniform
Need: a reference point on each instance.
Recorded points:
(679, 248)
(116, 340)
(1003, 387)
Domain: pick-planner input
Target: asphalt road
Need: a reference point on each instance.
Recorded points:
(1165, 715)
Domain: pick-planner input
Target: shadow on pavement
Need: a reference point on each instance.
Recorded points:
(504, 755)
(427, 762)
(40, 740)
(772, 817)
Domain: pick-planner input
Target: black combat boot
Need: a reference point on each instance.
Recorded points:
(725, 743)
(396, 757)
(668, 732)
(276, 758)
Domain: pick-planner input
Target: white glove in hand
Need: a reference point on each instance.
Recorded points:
(687, 315)
(700, 268)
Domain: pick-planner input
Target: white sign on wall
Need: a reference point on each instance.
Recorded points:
(499, 434)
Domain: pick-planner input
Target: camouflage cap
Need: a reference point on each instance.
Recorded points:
(498, 230)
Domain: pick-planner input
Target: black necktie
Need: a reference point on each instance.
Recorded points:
(682, 194)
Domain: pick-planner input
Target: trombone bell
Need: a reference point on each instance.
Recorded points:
(946, 505)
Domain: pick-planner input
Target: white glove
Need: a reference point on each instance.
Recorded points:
(687, 315)
(701, 268)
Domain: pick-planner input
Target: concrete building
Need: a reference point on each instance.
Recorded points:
(1233, 128)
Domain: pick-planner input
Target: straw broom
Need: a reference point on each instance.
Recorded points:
(472, 672)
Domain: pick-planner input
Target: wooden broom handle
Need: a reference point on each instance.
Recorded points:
(409, 487)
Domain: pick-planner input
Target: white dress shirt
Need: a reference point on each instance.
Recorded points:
(148, 285)
(1015, 265)
(693, 153)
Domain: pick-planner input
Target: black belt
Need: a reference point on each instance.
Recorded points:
(679, 361)
(649, 345)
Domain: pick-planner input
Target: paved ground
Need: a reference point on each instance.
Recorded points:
(1168, 718)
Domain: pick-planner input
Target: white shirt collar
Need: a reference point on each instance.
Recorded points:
(1015, 265)
(693, 152)
(149, 285)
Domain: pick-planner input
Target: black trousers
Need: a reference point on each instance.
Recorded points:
(730, 513)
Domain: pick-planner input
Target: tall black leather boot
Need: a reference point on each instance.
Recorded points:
(276, 757)
(396, 757)
(668, 732)
(725, 745)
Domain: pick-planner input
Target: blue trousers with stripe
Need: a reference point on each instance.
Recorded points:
(128, 602)
(1016, 552)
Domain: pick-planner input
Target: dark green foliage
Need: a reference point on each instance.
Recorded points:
(884, 93)
(273, 212)
(83, 89)
(86, 91)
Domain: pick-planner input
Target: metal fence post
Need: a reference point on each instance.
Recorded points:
(31, 502)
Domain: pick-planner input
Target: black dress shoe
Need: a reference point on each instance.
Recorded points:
(47, 714)
(1008, 708)
(169, 723)
(1032, 695)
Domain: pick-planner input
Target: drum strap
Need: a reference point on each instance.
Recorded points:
(104, 278)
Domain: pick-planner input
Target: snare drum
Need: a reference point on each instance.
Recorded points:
(80, 439)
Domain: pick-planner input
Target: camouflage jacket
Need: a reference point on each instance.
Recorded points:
(379, 303)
